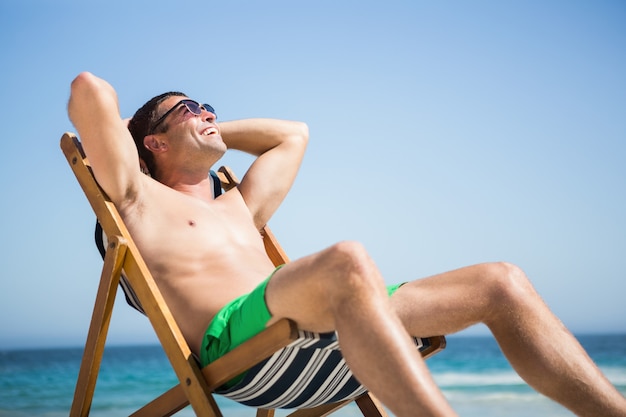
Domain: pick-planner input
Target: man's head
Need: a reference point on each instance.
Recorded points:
(171, 125)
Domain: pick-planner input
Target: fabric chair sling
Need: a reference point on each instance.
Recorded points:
(285, 367)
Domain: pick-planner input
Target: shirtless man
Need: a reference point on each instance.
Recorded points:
(206, 252)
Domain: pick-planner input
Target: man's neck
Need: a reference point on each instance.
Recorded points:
(195, 186)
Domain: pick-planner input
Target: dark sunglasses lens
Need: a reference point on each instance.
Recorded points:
(193, 107)
(209, 108)
(196, 108)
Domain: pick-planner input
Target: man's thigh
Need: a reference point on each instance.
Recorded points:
(306, 290)
(444, 303)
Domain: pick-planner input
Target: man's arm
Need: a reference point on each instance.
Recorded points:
(94, 111)
(279, 146)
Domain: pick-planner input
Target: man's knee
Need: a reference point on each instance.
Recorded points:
(351, 263)
(506, 283)
(349, 255)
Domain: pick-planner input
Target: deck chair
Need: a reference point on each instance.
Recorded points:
(289, 367)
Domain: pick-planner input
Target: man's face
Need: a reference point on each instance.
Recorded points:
(188, 126)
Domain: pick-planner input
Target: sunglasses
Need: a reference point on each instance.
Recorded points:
(193, 106)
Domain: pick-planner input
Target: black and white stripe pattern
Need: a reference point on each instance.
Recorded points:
(309, 372)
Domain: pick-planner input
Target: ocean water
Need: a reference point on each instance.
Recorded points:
(471, 371)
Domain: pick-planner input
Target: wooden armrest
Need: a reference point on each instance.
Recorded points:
(248, 354)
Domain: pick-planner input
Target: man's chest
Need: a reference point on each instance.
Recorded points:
(189, 229)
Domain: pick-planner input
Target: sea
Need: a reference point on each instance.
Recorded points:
(471, 371)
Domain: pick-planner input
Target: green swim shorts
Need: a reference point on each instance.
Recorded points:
(238, 321)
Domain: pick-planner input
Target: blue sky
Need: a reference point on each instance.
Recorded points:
(442, 134)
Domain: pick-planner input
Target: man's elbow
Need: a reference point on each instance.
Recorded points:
(78, 96)
(83, 84)
(88, 91)
(301, 133)
(81, 79)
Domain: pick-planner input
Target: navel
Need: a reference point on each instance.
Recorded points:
(191, 223)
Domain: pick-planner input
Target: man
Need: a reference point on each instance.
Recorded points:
(208, 259)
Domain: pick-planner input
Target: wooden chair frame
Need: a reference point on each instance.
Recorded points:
(196, 385)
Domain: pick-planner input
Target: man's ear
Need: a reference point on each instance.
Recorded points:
(153, 144)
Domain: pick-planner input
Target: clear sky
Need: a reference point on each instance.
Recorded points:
(442, 134)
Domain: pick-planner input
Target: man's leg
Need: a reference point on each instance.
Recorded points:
(537, 344)
(341, 289)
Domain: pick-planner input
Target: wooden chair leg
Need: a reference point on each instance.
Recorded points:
(370, 406)
(101, 317)
(262, 412)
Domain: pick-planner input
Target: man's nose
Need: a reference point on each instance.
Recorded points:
(208, 116)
